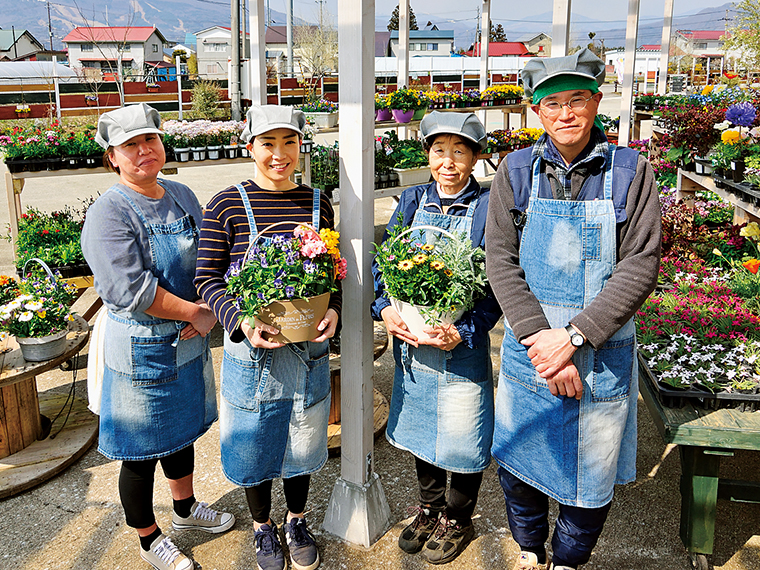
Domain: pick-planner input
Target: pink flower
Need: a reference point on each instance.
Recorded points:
(341, 267)
(313, 248)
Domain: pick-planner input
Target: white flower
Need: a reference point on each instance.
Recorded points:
(25, 316)
(722, 126)
(34, 305)
(4, 336)
(23, 298)
(12, 306)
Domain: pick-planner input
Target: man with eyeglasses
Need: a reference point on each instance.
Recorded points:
(572, 251)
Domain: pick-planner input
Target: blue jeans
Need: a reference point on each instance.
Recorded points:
(576, 531)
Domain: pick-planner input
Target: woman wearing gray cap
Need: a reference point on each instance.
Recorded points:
(141, 238)
(275, 397)
(453, 362)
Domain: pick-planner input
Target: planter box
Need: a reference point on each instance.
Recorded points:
(323, 120)
(412, 176)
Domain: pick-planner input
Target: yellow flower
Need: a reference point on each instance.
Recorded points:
(70, 317)
(448, 272)
(42, 314)
(437, 264)
(331, 238)
(730, 136)
(427, 247)
(405, 265)
(706, 89)
(751, 230)
(420, 258)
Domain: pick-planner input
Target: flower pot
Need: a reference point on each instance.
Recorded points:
(412, 176)
(402, 116)
(737, 170)
(383, 115)
(198, 152)
(306, 146)
(71, 162)
(53, 163)
(230, 151)
(91, 161)
(244, 152)
(182, 154)
(323, 120)
(297, 319)
(214, 152)
(419, 114)
(414, 319)
(43, 348)
(15, 164)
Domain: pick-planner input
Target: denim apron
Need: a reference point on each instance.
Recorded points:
(442, 402)
(574, 451)
(275, 402)
(159, 394)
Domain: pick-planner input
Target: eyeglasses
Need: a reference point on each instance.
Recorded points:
(554, 108)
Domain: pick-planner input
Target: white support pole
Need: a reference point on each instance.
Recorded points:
(289, 37)
(178, 68)
(626, 103)
(485, 36)
(257, 70)
(358, 511)
(55, 84)
(402, 50)
(561, 28)
(235, 107)
(667, 24)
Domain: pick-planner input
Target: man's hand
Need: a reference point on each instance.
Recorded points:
(396, 326)
(549, 351)
(567, 382)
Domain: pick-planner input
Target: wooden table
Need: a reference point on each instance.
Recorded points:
(639, 116)
(703, 437)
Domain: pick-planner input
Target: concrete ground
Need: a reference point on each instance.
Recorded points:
(75, 520)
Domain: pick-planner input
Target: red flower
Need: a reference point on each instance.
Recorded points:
(45, 232)
(752, 265)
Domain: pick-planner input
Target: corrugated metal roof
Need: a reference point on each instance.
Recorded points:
(111, 34)
(703, 34)
(6, 38)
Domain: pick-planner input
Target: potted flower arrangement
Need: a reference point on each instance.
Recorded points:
(198, 142)
(8, 289)
(402, 103)
(430, 283)
(421, 105)
(408, 158)
(179, 145)
(22, 111)
(287, 282)
(39, 317)
(322, 113)
(230, 142)
(325, 173)
(215, 142)
(382, 112)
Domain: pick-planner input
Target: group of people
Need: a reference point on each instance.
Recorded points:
(571, 232)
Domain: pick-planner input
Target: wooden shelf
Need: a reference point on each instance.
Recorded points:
(746, 202)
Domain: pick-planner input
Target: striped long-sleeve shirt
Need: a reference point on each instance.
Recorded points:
(224, 239)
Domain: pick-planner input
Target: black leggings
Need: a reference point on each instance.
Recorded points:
(463, 492)
(136, 484)
(259, 497)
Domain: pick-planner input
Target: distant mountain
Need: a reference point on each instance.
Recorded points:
(175, 18)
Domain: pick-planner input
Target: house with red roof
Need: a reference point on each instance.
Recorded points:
(500, 49)
(102, 49)
(700, 43)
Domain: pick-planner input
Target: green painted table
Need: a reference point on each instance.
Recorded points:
(703, 437)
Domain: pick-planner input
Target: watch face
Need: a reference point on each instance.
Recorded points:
(577, 340)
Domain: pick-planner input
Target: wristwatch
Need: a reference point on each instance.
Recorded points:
(576, 338)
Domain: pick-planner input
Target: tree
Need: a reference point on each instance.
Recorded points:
(393, 23)
(744, 37)
(497, 34)
(317, 52)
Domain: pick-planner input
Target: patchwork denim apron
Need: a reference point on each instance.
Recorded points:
(442, 403)
(275, 402)
(159, 394)
(574, 451)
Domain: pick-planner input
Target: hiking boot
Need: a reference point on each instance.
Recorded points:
(416, 534)
(528, 561)
(301, 545)
(449, 539)
(203, 518)
(163, 555)
(269, 554)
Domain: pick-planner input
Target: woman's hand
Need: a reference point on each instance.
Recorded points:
(396, 326)
(201, 324)
(256, 334)
(327, 325)
(445, 337)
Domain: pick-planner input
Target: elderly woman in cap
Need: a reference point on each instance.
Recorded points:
(141, 238)
(573, 238)
(275, 397)
(442, 402)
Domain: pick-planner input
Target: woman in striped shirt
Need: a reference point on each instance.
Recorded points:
(275, 397)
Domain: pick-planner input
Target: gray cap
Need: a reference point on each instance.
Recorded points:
(466, 125)
(263, 118)
(118, 126)
(582, 64)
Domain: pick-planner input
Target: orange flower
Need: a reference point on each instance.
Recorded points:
(752, 265)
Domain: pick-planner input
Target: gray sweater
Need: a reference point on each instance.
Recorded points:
(634, 277)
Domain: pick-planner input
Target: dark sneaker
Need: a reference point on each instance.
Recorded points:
(448, 540)
(269, 554)
(203, 518)
(416, 534)
(303, 549)
(163, 555)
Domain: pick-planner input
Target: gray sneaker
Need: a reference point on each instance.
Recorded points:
(203, 518)
(163, 555)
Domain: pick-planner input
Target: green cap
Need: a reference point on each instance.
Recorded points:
(561, 83)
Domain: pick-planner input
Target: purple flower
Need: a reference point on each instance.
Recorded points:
(260, 296)
(263, 260)
(232, 271)
(291, 257)
(255, 250)
(290, 290)
(277, 283)
(741, 114)
(309, 266)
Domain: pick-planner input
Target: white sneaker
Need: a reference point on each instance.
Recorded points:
(203, 518)
(163, 555)
(527, 561)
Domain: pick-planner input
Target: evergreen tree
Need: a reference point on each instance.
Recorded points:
(393, 23)
(497, 34)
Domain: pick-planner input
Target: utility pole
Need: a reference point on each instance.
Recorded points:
(320, 2)
(290, 38)
(235, 63)
(244, 51)
(50, 26)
